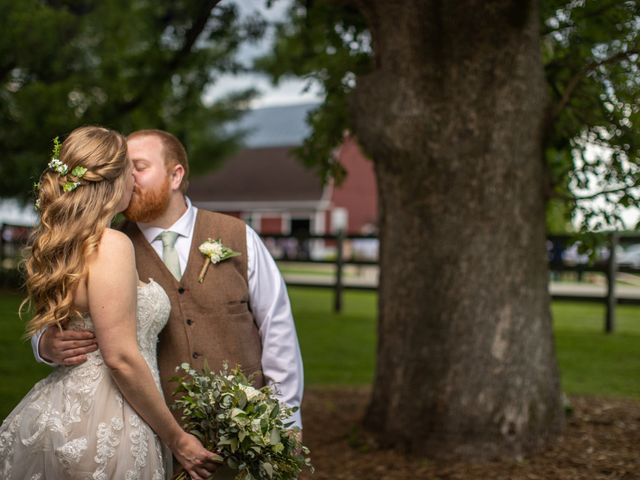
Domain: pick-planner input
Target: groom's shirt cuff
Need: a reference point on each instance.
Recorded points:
(35, 344)
(296, 418)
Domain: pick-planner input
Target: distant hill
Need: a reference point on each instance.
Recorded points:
(275, 126)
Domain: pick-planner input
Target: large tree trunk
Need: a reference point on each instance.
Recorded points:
(452, 116)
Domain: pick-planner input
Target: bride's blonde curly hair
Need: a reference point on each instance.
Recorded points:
(72, 223)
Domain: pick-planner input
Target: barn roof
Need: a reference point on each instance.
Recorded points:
(265, 172)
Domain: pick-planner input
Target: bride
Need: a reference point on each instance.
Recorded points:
(95, 420)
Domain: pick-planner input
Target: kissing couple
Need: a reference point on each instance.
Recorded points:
(115, 311)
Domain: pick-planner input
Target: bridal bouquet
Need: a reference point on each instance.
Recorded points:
(247, 427)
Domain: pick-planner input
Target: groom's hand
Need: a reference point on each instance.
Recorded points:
(66, 347)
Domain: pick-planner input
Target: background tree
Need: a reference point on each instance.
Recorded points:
(478, 116)
(590, 51)
(125, 65)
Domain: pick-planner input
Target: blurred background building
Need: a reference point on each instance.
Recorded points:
(268, 187)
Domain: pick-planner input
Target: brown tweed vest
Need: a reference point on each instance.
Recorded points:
(209, 320)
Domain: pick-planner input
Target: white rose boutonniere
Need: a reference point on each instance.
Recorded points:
(214, 252)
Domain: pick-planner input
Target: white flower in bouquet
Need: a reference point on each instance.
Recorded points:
(247, 427)
(251, 392)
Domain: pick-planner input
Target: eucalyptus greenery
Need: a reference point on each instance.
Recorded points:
(247, 427)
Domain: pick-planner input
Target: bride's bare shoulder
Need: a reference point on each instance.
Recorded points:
(114, 242)
(113, 263)
(113, 235)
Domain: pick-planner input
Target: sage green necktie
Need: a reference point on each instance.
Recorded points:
(170, 254)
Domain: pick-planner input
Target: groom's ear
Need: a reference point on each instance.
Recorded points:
(176, 174)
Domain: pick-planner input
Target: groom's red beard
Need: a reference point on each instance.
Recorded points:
(147, 205)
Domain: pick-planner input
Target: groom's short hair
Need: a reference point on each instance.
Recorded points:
(173, 149)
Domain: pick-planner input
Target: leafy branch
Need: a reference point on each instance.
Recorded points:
(579, 76)
(179, 57)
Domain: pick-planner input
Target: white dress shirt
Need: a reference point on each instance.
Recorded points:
(269, 303)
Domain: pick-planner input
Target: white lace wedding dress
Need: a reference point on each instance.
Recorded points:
(75, 424)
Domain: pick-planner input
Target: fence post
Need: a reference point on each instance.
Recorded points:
(2, 246)
(337, 305)
(612, 269)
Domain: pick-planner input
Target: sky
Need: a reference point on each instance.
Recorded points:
(288, 92)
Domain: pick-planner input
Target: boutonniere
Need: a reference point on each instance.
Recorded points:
(214, 252)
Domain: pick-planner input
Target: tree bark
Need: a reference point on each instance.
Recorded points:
(452, 116)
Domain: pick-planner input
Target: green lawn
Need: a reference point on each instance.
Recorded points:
(340, 349)
(18, 370)
(592, 362)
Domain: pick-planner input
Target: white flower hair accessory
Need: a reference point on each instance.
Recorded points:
(62, 168)
(57, 166)
(214, 252)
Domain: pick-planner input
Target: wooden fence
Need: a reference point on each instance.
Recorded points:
(606, 265)
(299, 249)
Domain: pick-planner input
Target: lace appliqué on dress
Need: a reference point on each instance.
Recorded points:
(70, 453)
(108, 440)
(139, 446)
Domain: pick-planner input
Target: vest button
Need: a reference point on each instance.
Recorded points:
(195, 355)
(181, 290)
(189, 321)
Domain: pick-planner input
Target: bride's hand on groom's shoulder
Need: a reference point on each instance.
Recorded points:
(199, 462)
(66, 347)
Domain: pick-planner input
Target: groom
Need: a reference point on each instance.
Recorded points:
(240, 313)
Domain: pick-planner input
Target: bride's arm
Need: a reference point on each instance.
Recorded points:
(112, 290)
